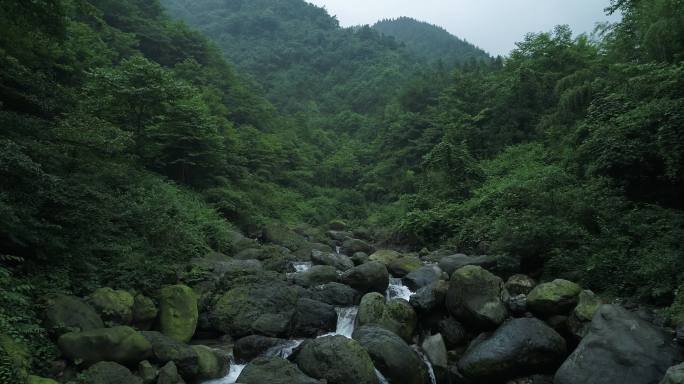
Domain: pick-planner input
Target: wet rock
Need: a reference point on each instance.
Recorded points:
(339, 295)
(477, 297)
(430, 298)
(336, 359)
(435, 349)
(395, 315)
(119, 344)
(337, 260)
(674, 375)
(518, 347)
(312, 318)
(212, 363)
(252, 346)
(107, 372)
(619, 348)
(316, 275)
(368, 277)
(520, 284)
(273, 370)
(422, 277)
(557, 297)
(392, 356)
(166, 349)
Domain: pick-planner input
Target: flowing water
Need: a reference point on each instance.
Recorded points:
(301, 266)
(428, 364)
(381, 378)
(397, 289)
(231, 378)
(283, 350)
(338, 249)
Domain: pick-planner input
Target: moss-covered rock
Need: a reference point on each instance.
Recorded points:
(40, 380)
(385, 256)
(337, 225)
(351, 246)
(557, 297)
(168, 374)
(166, 349)
(114, 306)
(476, 297)
(273, 370)
(336, 359)
(212, 364)
(368, 277)
(178, 312)
(148, 372)
(107, 372)
(396, 315)
(520, 284)
(580, 318)
(280, 235)
(316, 275)
(15, 359)
(120, 344)
(144, 312)
(404, 265)
(65, 313)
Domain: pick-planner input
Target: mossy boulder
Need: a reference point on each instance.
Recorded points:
(168, 374)
(351, 246)
(587, 305)
(65, 313)
(40, 380)
(385, 256)
(165, 349)
(262, 307)
(316, 275)
(337, 260)
(404, 265)
(336, 359)
(476, 297)
(283, 236)
(273, 370)
(557, 297)
(107, 372)
(368, 277)
(15, 358)
(144, 312)
(337, 225)
(178, 312)
(312, 318)
(114, 306)
(520, 284)
(395, 315)
(212, 364)
(392, 355)
(336, 294)
(119, 344)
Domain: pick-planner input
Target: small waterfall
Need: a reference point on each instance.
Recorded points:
(283, 350)
(381, 378)
(231, 377)
(428, 364)
(397, 289)
(338, 249)
(301, 266)
(346, 317)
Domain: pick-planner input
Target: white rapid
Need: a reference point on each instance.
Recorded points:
(231, 378)
(428, 364)
(397, 289)
(381, 378)
(302, 266)
(346, 319)
(284, 350)
(338, 249)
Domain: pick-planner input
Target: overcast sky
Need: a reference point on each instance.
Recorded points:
(494, 25)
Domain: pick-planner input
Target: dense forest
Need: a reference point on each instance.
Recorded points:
(138, 136)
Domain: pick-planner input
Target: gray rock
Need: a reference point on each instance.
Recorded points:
(520, 284)
(518, 347)
(517, 305)
(557, 297)
(453, 332)
(453, 262)
(619, 348)
(336, 294)
(674, 375)
(168, 374)
(273, 370)
(166, 349)
(339, 235)
(368, 277)
(435, 349)
(337, 260)
(430, 298)
(336, 359)
(69, 314)
(395, 315)
(360, 257)
(422, 277)
(312, 318)
(476, 297)
(316, 275)
(392, 356)
(351, 246)
(107, 372)
(253, 346)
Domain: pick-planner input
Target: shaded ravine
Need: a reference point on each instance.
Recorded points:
(346, 322)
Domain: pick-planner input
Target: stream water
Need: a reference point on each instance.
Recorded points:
(346, 320)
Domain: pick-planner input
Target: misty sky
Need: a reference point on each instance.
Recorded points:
(494, 25)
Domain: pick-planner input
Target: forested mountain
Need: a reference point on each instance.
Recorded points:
(430, 41)
(199, 170)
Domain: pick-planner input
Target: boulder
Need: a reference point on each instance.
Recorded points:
(360, 258)
(557, 297)
(69, 314)
(392, 356)
(280, 235)
(273, 370)
(312, 318)
(368, 277)
(107, 372)
(451, 263)
(178, 312)
(336, 294)
(144, 312)
(147, 372)
(166, 349)
(40, 380)
(422, 277)
(211, 363)
(253, 346)
(674, 375)
(430, 298)
(316, 275)
(517, 305)
(339, 235)
(619, 348)
(168, 374)
(261, 307)
(351, 246)
(518, 347)
(395, 315)
(385, 256)
(476, 297)
(404, 265)
(520, 284)
(336, 359)
(114, 306)
(337, 225)
(337, 260)
(587, 305)
(453, 332)
(119, 344)
(435, 350)
(534, 379)
(232, 270)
